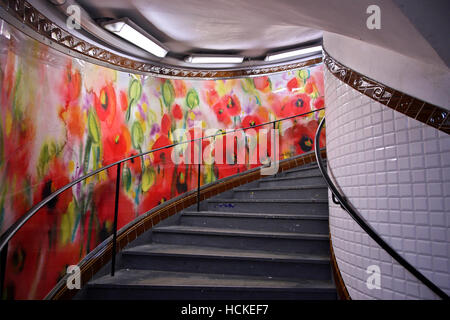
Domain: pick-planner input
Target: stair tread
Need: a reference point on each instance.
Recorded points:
(239, 232)
(229, 242)
(291, 178)
(170, 279)
(303, 168)
(224, 253)
(254, 215)
(271, 200)
(306, 187)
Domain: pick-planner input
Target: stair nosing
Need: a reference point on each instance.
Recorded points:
(305, 284)
(284, 188)
(270, 200)
(290, 178)
(212, 287)
(240, 232)
(307, 258)
(134, 286)
(281, 216)
(299, 169)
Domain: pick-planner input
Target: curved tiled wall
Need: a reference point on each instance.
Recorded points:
(396, 171)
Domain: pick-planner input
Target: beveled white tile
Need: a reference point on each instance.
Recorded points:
(395, 171)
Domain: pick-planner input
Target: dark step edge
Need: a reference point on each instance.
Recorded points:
(213, 287)
(290, 178)
(213, 277)
(243, 233)
(282, 188)
(312, 260)
(254, 215)
(324, 201)
(231, 258)
(300, 169)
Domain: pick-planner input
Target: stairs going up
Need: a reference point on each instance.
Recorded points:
(264, 240)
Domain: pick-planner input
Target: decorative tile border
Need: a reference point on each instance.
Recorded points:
(26, 15)
(98, 258)
(420, 110)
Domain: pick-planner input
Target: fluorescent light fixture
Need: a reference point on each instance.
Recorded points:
(58, 2)
(292, 53)
(129, 31)
(208, 59)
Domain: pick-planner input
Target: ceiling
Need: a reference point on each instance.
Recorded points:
(254, 28)
(233, 26)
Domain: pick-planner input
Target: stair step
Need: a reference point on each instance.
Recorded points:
(283, 192)
(163, 285)
(268, 241)
(301, 172)
(300, 187)
(316, 179)
(303, 168)
(291, 206)
(203, 259)
(257, 221)
(243, 239)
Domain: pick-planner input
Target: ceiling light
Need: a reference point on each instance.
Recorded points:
(206, 59)
(126, 29)
(292, 53)
(58, 2)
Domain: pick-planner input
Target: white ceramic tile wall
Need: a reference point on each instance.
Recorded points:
(396, 172)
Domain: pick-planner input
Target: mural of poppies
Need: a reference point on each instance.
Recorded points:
(61, 118)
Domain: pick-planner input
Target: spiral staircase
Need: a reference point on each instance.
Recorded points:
(265, 240)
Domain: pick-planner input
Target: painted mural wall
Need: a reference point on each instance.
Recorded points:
(61, 118)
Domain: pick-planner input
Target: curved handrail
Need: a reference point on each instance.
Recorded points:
(366, 227)
(9, 233)
(14, 228)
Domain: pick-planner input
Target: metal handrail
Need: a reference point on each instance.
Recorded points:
(342, 201)
(12, 230)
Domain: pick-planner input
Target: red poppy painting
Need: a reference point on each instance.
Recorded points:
(61, 121)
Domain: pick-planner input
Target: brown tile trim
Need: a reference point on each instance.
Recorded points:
(26, 15)
(91, 264)
(338, 280)
(414, 108)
